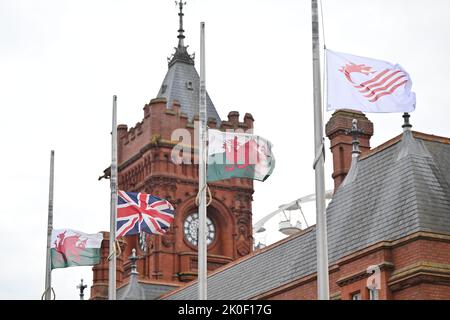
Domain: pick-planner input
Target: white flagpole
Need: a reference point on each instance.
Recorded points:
(321, 222)
(112, 230)
(202, 248)
(48, 270)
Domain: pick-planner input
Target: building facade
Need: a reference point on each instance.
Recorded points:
(147, 164)
(388, 222)
(388, 227)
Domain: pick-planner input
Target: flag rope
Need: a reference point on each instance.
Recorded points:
(45, 291)
(117, 250)
(324, 73)
(323, 25)
(209, 196)
(319, 154)
(197, 202)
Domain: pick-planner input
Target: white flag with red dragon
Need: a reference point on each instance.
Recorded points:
(72, 248)
(367, 85)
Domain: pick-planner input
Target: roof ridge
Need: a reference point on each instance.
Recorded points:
(381, 147)
(410, 145)
(397, 138)
(430, 137)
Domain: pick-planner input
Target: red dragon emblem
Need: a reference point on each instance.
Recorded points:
(242, 155)
(379, 85)
(69, 247)
(351, 67)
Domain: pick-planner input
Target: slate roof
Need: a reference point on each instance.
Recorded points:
(398, 190)
(182, 83)
(269, 268)
(132, 291)
(150, 291)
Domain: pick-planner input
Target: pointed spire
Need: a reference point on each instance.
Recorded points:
(409, 144)
(181, 53)
(134, 290)
(180, 29)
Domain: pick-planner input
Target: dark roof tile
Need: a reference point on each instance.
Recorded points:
(182, 83)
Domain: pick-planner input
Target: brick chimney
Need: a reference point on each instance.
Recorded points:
(341, 142)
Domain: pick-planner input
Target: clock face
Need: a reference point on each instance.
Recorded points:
(191, 229)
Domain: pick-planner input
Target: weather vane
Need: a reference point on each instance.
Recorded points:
(180, 14)
(181, 3)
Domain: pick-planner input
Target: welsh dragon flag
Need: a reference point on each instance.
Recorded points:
(72, 248)
(238, 155)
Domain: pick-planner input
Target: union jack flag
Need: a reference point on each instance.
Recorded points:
(137, 212)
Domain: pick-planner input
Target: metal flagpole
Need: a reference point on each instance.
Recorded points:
(202, 249)
(48, 270)
(321, 222)
(112, 230)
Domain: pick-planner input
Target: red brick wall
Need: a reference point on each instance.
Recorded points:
(424, 291)
(349, 274)
(421, 250)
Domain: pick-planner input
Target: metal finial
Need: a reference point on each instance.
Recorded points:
(355, 132)
(181, 53)
(180, 29)
(81, 286)
(133, 259)
(406, 125)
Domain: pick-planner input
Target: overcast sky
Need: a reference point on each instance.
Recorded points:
(61, 61)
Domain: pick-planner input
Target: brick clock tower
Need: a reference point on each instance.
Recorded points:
(145, 165)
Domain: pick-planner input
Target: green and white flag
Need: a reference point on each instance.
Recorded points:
(238, 155)
(72, 248)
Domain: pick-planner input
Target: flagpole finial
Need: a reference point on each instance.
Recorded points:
(406, 125)
(355, 132)
(133, 259)
(81, 286)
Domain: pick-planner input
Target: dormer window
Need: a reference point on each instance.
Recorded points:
(189, 85)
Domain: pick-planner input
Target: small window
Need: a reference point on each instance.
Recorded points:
(356, 296)
(163, 88)
(373, 294)
(189, 85)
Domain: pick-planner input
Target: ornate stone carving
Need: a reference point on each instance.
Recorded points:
(243, 249)
(168, 239)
